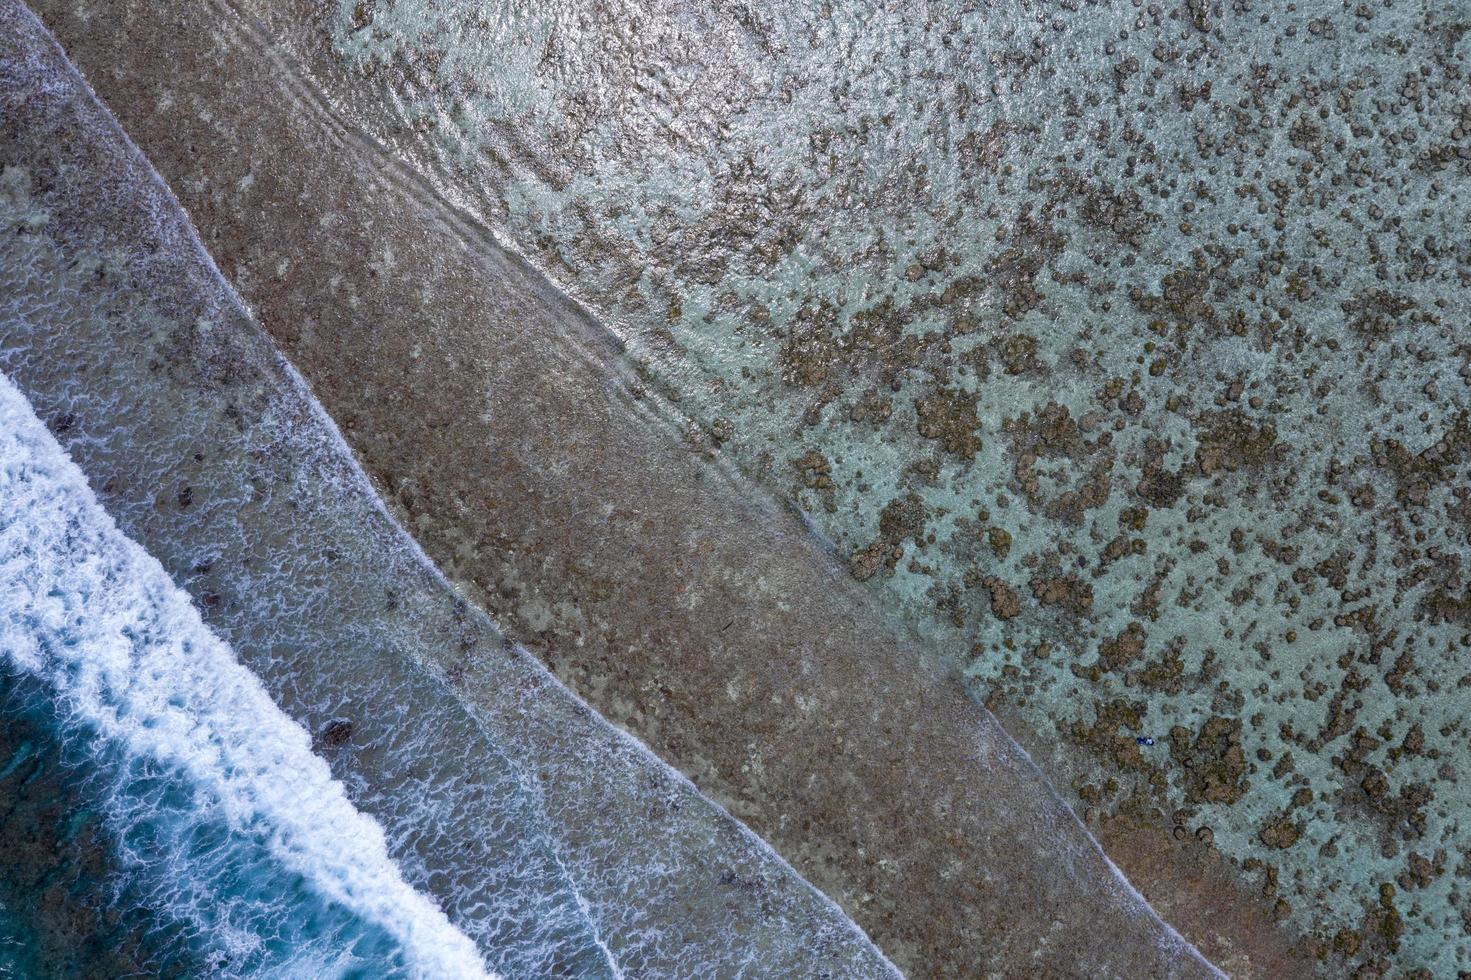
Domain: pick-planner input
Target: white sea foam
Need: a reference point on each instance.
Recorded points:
(89, 612)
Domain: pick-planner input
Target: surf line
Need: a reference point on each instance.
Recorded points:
(88, 611)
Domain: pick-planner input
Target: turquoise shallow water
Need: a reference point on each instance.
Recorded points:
(1119, 347)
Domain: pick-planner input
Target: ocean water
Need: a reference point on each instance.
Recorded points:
(553, 843)
(231, 849)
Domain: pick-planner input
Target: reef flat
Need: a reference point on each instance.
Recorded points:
(1120, 348)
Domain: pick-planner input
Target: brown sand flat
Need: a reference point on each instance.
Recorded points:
(499, 422)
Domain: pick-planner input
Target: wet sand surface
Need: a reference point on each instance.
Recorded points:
(509, 436)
